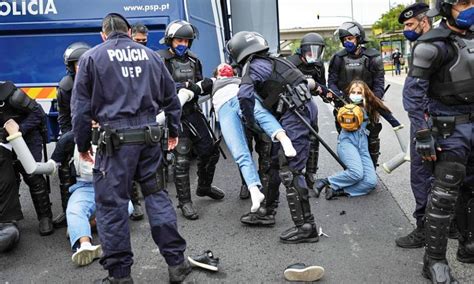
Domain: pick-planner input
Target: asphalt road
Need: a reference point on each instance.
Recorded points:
(360, 247)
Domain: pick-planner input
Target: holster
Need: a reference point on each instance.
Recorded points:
(445, 125)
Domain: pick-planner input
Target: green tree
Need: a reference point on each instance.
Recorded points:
(388, 22)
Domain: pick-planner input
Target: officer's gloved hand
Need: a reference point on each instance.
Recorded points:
(247, 113)
(206, 85)
(194, 88)
(425, 145)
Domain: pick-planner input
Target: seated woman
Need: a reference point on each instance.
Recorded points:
(359, 178)
(226, 105)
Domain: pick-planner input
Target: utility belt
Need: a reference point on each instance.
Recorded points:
(445, 125)
(109, 140)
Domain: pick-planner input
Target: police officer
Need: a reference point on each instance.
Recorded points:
(415, 24)
(186, 70)
(140, 33)
(66, 175)
(357, 62)
(15, 104)
(268, 77)
(10, 208)
(443, 66)
(122, 85)
(308, 59)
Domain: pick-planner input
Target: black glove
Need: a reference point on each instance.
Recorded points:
(247, 113)
(206, 85)
(194, 88)
(425, 145)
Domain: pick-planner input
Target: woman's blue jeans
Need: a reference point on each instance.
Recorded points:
(234, 135)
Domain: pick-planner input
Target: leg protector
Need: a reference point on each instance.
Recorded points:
(264, 149)
(183, 152)
(440, 209)
(39, 195)
(207, 167)
(313, 157)
(66, 179)
(374, 141)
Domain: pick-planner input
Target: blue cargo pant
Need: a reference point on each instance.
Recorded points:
(421, 179)
(113, 177)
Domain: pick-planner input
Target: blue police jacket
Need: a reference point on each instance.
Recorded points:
(415, 91)
(120, 81)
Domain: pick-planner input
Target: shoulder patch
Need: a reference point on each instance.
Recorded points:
(66, 83)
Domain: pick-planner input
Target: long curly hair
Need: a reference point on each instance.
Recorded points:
(372, 104)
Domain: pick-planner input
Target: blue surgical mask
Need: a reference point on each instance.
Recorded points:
(356, 99)
(411, 35)
(180, 50)
(349, 46)
(465, 19)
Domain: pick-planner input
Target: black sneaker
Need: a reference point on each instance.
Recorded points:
(244, 192)
(319, 185)
(112, 280)
(438, 271)
(331, 193)
(213, 192)
(179, 272)
(60, 221)
(258, 219)
(188, 211)
(301, 272)
(415, 239)
(205, 260)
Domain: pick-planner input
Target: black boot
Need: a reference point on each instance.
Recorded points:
(415, 239)
(60, 221)
(41, 202)
(137, 213)
(306, 233)
(465, 252)
(179, 272)
(112, 280)
(438, 271)
(213, 192)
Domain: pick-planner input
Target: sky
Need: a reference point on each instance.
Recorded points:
(302, 13)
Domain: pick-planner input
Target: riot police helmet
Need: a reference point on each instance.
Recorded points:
(351, 29)
(179, 29)
(443, 8)
(244, 43)
(73, 52)
(311, 47)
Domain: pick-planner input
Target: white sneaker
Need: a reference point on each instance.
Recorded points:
(86, 255)
(301, 272)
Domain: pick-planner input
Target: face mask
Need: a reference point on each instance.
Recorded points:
(349, 46)
(310, 59)
(465, 19)
(412, 35)
(142, 43)
(180, 50)
(355, 98)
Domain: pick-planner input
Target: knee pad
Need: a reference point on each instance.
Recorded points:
(182, 164)
(448, 179)
(286, 177)
(184, 146)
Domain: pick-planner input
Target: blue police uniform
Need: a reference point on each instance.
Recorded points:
(122, 85)
(443, 71)
(317, 72)
(368, 67)
(259, 77)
